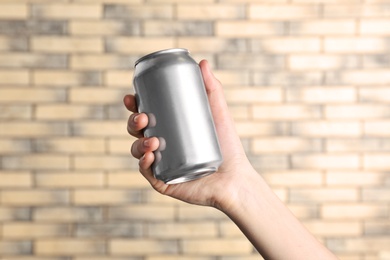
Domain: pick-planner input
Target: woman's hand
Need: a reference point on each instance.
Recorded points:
(218, 189)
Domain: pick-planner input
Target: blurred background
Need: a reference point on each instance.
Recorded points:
(307, 82)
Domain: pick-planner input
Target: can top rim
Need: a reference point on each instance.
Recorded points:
(151, 55)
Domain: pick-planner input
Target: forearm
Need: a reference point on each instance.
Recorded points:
(269, 225)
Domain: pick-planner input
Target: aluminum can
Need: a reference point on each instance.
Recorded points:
(169, 88)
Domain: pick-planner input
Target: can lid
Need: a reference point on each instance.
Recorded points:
(153, 54)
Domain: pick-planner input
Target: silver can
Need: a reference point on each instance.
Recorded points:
(169, 88)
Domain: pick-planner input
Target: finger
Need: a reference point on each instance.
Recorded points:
(136, 123)
(211, 82)
(145, 164)
(143, 145)
(130, 103)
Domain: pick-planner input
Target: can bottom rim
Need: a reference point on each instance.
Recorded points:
(191, 175)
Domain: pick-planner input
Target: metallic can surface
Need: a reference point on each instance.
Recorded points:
(169, 88)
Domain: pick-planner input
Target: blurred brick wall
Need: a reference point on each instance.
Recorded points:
(308, 83)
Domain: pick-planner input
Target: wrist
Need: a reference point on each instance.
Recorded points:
(230, 194)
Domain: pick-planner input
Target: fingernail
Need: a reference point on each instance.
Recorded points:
(146, 142)
(135, 119)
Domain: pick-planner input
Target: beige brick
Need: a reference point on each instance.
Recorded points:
(325, 27)
(305, 195)
(358, 145)
(377, 128)
(104, 197)
(142, 247)
(120, 146)
(64, 78)
(376, 227)
(115, 78)
(60, 214)
(178, 257)
(109, 1)
(327, 129)
(14, 146)
(138, 45)
(23, 230)
(15, 112)
(378, 94)
(117, 162)
(367, 77)
(216, 246)
(181, 1)
(356, 111)
(15, 179)
(199, 213)
(34, 197)
(249, 29)
(334, 228)
(379, 161)
(177, 28)
(32, 60)
(254, 128)
(36, 162)
(67, 45)
(14, 11)
(232, 78)
(354, 10)
(304, 211)
(210, 12)
(102, 27)
(285, 145)
(374, 27)
(142, 212)
(293, 178)
(359, 245)
(15, 247)
(69, 180)
(251, 61)
(322, 62)
(127, 180)
(68, 112)
(100, 62)
(326, 161)
(356, 178)
(238, 112)
(324, 95)
(67, 11)
(287, 45)
(97, 96)
(30, 95)
(14, 77)
(285, 112)
(326, 1)
(35, 129)
(245, 95)
(95, 257)
(376, 194)
(69, 246)
(70, 145)
(144, 12)
(353, 211)
(14, 214)
(283, 12)
(212, 44)
(102, 128)
(182, 230)
(355, 45)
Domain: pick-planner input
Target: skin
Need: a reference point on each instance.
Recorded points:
(236, 188)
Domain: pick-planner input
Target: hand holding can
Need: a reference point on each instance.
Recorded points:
(170, 91)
